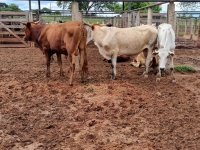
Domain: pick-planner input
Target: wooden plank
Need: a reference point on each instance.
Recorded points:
(8, 33)
(12, 45)
(154, 14)
(13, 20)
(13, 26)
(12, 13)
(14, 34)
(9, 39)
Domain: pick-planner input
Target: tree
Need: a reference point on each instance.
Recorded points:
(185, 6)
(45, 10)
(14, 7)
(10, 7)
(136, 5)
(3, 7)
(87, 6)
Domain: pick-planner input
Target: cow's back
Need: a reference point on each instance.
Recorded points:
(130, 40)
(57, 36)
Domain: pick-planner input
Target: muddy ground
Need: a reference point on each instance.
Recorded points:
(130, 113)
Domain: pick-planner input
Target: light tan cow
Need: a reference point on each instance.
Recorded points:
(113, 42)
(139, 61)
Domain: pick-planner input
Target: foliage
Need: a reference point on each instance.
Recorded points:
(90, 89)
(185, 6)
(109, 6)
(184, 68)
(45, 10)
(87, 6)
(10, 7)
(57, 12)
(136, 5)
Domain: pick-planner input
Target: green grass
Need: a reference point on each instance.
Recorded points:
(184, 68)
(49, 18)
(90, 89)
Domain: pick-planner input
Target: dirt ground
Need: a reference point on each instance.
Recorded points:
(130, 113)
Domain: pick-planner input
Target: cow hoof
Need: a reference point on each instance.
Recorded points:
(157, 79)
(174, 81)
(146, 75)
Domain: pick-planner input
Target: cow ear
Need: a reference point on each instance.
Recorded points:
(28, 25)
(24, 23)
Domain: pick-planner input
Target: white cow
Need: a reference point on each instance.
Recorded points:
(113, 42)
(166, 47)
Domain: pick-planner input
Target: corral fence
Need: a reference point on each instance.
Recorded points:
(187, 28)
(11, 29)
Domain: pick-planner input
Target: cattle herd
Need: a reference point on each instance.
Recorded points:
(71, 39)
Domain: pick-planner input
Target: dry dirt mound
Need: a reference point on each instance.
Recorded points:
(131, 112)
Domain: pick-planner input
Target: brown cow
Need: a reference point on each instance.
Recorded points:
(64, 38)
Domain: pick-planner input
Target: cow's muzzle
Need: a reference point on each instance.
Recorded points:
(162, 72)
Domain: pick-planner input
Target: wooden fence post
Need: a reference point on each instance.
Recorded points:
(119, 22)
(149, 16)
(185, 27)
(133, 16)
(137, 23)
(171, 16)
(198, 30)
(125, 20)
(76, 15)
(191, 29)
(129, 19)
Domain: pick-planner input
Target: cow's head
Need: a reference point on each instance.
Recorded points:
(27, 30)
(164, 57)
(92, 26)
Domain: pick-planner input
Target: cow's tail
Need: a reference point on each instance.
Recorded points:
(76, 37)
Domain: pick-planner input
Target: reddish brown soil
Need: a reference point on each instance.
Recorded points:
(130, 113)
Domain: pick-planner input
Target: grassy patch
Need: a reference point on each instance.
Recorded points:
(90, 89)
(184, 68)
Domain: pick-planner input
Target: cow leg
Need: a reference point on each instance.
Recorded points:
(147, 54)
(48, 58)
(83, 64)
(72, 67)
(158, 75)
(59, 61)
(113, 65)
(171, 66)
(172, 74)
